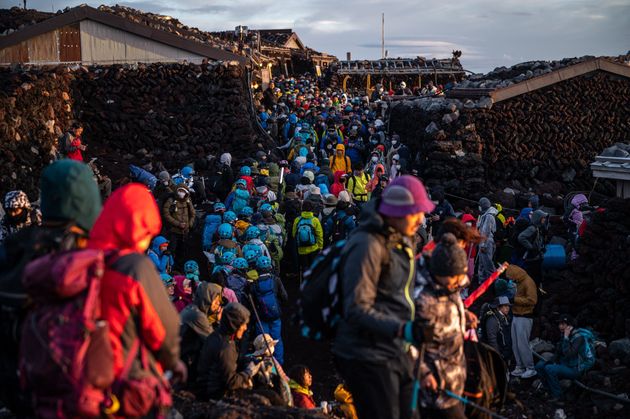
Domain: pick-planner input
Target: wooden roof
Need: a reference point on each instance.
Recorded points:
(83, 12)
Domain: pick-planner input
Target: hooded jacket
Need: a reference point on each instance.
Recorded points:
(133, 298)
(344, 398)
(30, 216)
(237, 200)
(319, 233)
(216, 372)
(274, 177)
(487, 227)
(178, 211)
(337, 186)
(341, 162)
(526, 296)
(443, 313)
(357, 185)
(378, 284)
(373, 183)
(162, 262)
(532, 238)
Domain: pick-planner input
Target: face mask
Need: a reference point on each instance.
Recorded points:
(374, 159)
(394, 143)
(469, 224)
(165, 182)
(374, 142)
(329, 146)
(181, 195)
(398, 166)
(480, 209)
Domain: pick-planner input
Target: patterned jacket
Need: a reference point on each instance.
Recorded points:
(444, 314)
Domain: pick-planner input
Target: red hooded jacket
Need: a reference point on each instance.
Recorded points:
(337, 186)
(133, 299)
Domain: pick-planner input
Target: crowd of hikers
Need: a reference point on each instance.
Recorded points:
(178, 281)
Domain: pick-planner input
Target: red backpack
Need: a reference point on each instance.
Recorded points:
(66, 360)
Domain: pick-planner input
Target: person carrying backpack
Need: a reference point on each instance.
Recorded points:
(160, 255)
(357, 184)
(487, 227)
(308, 234)
(195, 325)
(575, 354)
(339, 161)
(142, 321)
(523, 221)
(70, 203)
(495, 327)
(533, 240)
(339, 225)
(377, 274)
(69, 145)
(268, 293)
(211, 225)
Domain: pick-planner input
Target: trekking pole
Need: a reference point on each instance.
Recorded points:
(259, 323)
(475, 405)
(485, 285)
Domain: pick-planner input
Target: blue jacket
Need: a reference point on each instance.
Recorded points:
(237, 200)
(161, 261)
(213, 221)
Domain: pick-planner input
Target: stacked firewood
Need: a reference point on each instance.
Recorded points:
(169, 113)
(546, 137)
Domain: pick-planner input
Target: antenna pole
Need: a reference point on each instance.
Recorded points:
(382, 35)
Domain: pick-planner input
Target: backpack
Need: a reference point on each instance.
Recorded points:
(320, 304)
(486, 379)
(67, 365)
(305, 235)
(339, 228)
(265, 298)
(61, 145)
(586, 353)
(519, 226)
(502, 232)
(238, 284)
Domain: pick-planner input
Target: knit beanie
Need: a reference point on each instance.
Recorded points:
(70, 193)
(448, 259)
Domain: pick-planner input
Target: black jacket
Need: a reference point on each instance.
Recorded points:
(377, 287)
(497, 333)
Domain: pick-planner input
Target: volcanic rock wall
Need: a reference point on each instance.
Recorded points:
(174, 114)
(543, 140)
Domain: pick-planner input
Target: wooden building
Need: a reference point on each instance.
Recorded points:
(90, 36)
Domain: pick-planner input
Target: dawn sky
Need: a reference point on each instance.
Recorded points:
(489, 32)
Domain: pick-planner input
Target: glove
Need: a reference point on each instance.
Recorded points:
(252, 368)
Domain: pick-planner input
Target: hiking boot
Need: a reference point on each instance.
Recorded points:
(518, 371)
(529, 373)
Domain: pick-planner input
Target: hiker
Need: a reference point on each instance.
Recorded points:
(217, 373)
(18, 214)
(308, 234)
(496, 327)
(211, 225)
(179, 215)
(523, 310)
(301, 382)
(70, 145)
(131, 286)
(487, 226)
(339, 224)
(346, 403)
(339, 184)
(339, 161)
(70, 203)
(533, 240)
(191, 271)
(239, 197)
(443, 210)
(370, 347)
(164, 189)
(575, 354)
(442, 315)
(271, 381)
(357, 184)
(268, 293)
(160, 255)
(195, 325)
(523, 221)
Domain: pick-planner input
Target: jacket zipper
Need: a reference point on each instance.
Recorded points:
(412, 270)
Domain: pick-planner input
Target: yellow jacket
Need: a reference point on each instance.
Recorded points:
(340, 163)
(319, 233)
(343, 396)
(526, 294)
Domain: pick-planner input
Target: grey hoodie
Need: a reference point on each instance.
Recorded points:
(532, 238)
(488, 226)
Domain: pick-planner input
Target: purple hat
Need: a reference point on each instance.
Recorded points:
(404, 196)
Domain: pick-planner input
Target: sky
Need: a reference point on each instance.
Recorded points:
(490, 33)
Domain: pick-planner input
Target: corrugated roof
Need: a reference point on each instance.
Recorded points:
(83, 12)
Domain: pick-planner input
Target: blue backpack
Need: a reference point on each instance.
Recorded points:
(265, 298)
(238, 284)
(586, 354)
(305, 234)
